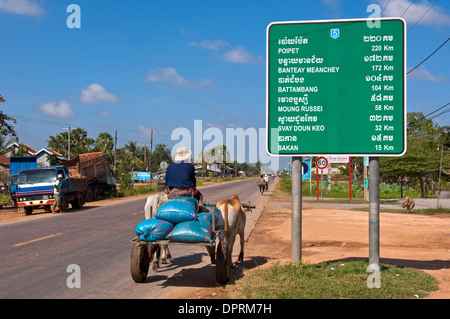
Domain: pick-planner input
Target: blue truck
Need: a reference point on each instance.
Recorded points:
(85, 178)
(18, 164)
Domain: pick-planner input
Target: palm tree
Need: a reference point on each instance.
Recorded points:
(131, 149)
(4, 144)
(104, 142)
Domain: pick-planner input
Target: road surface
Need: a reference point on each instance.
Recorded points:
(38, 257)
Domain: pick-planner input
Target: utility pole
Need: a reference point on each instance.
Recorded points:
(440, 169)
(69, 145)
(115, 152)
(150, 157)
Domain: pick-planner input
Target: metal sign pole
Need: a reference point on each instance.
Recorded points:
(374, 211)
(296, 218)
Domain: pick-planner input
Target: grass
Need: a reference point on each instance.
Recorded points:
(348, 201)
(4, 198)
(137, 190)
(319, 281)
(428, 211)
(341, 190)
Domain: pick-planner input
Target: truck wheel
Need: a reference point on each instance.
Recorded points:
(77, 202)
(28, 210)
(96, 194)
(139, 262)
(64, 204)
(89, 196)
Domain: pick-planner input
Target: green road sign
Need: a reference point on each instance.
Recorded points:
(336, 87)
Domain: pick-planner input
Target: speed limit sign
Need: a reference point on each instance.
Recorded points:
(321, 162)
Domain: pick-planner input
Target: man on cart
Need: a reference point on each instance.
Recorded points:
(180, 176)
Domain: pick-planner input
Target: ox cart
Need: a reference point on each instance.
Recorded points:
(145, 253)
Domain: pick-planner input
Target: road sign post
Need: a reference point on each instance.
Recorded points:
(296, 213)
(374, 211)
(321, 163)
(336, 87)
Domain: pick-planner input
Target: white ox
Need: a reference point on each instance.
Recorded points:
(151, 206)
(234, 222)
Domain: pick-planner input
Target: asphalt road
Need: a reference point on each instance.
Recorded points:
(36, 257)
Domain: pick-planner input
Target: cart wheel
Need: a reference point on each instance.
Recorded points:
(223, 263)
(139, 262)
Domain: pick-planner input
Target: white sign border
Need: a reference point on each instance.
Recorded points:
(405, 104)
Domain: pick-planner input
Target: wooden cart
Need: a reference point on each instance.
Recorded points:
(144, 252)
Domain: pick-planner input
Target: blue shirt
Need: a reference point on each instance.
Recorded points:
(180, 174)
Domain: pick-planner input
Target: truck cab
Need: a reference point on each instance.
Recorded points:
(17, 165)
(35, 187)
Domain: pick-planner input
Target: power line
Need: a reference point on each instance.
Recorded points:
(407, 8)
(423, 15)
(428, 56)
(437, 110)
(440, 114)
(385, 6)
(39, 121)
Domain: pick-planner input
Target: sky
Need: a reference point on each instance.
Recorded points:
(137, 66)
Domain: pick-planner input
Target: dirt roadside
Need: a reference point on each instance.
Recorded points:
(410, 240)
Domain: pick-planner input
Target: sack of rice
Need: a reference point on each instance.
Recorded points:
(197, 231)
(153, 229)
(176, 211)
(218, 219)
(188, 199)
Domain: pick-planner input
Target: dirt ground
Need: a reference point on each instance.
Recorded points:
(412, 240)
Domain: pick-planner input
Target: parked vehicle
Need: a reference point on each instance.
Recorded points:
(16, 165)
(85, 178)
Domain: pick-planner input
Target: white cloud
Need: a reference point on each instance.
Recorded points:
(241, 55)
(424, 75)
(22, 7)
(61, 110)
(333, 5)
(143, 130)
(171, 75)
(395, 8)
(210, 45)
(233, 55)
(105, 114)
(238, 55)
(95, 93)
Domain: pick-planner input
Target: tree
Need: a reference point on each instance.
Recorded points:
(4, 145)
(5, 127)
(160, 154)
(104, 143)
(80, 143)
(421, 162)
